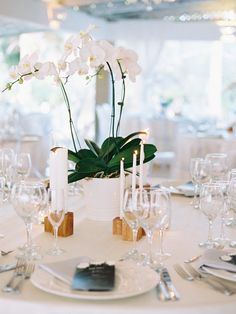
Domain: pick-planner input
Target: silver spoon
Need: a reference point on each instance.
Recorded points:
(192, 259)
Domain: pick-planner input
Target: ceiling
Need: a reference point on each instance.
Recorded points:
(170, 10)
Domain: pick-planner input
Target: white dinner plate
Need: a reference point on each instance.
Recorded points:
(130, 280)
(221, 273)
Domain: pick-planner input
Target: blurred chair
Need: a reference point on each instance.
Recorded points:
(35, 137)
(163, 133)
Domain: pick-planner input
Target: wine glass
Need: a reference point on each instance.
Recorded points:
(232, 206)
(23, 165)
(56, 213)
(26, 198)
(128, 211)
(3, 196)
(7, 166)
(211, 202)
(219, 165)
(152, 210)
(200, 173)
(162, 255)
(222, 240)
(39, 218)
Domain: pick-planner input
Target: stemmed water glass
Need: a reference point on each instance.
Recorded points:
(211, 202)
(7, 166)
(3, 196)
(26, 199)
(162, 255)
(56, 213)
(132, 221)
(232, 206)
(222, 240)
(200, 173)
(219, 165)
(23, 165)
(152, 211)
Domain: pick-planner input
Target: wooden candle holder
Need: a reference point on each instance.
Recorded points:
(127, 234)
(120, 227)
(66, 228)
(117, 226)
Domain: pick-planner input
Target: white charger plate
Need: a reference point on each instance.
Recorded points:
(221, 273)
(131, 280)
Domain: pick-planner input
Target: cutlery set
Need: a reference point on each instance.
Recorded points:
(189, 273)
(22, 272)
(166, 290)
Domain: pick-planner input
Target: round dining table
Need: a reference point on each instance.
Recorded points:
(95, 239)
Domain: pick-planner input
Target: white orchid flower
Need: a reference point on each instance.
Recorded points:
(93, 54)
(62, 65)
(128, 60)
(85, 36)
(77, 66)
(14, 72)
(46, 69)
(110, 51)
(27, 65)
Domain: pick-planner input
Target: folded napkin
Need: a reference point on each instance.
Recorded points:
(64, 270)
(94, 277)
(212, 258)
(187, 188)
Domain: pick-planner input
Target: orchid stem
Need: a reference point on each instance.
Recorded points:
(72, 126)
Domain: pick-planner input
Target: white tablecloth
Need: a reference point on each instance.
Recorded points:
(94, 239)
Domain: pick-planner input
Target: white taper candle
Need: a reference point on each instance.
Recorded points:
(134, 171)
(122, 186)
(142, 156)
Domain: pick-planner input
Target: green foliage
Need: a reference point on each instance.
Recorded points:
(104, 161)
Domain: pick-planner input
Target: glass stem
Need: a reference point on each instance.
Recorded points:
(161, 233)
(150, 236)
(135, 233)
(195, 198)
(210, 231)
(222, 228)
(28, 234)
(55, 237)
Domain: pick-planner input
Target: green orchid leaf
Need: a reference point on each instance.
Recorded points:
(73, 156)
(93, 147)
(110, 146)
(127, 138)
(149, 152)
(73, 177)
(85, 154)
(133, 144)
(90, 165)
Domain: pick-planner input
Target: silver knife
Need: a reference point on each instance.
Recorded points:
(7, 267)
(165, 277)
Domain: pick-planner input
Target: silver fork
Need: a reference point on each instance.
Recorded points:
(26, 275)
(4, 253)
(214, 282)
(19, 271)
(182, 273)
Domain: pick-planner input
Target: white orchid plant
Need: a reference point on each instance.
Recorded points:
(87, 57)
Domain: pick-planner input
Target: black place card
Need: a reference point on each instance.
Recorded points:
(94, 277)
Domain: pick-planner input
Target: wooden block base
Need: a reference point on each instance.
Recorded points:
(127, 234)
(66, 228)
(120, 227)
(117, 226)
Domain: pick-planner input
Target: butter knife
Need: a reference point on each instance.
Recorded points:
(7, 267)
(165, 277)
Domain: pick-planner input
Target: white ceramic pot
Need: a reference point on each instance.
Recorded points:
(102, 198)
